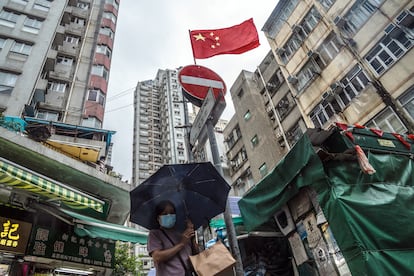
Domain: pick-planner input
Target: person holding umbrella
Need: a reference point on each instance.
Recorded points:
(169, 248)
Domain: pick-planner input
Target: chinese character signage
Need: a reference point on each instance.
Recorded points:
(68, 246)
(14, 235)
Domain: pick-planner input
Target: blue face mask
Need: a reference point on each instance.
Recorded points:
(167, 221)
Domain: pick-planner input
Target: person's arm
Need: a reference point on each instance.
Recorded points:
(166, 254)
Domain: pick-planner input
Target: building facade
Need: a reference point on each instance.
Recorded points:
(55, 59)
(347, 61)
(266, 124)
(159, 125)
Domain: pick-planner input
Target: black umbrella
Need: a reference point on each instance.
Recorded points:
(197, 190)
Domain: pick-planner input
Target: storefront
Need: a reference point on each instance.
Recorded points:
(342, 214)
(39, 243)
(58, 216)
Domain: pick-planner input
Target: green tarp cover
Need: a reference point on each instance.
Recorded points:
(94, 228)
(371, 216)
(300, 167)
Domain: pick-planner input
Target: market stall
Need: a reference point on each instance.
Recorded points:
(342, 199)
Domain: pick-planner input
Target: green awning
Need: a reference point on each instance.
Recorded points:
(95, 228)
(22, 178)
(219, 223)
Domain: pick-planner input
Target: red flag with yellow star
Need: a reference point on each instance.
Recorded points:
(232, 40)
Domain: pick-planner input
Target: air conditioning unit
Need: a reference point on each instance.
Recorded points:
(328, 95)
(284, 220)
(292, 79)
(296, 28)
(280, 51)
(339, 21)
(336, 87)
(312, 54)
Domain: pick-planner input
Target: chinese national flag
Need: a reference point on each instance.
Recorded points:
(232, 40)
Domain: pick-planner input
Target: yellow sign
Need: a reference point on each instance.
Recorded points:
(386, 143)
(14, 235)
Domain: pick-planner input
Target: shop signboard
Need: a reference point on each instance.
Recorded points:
(14, 235)
(67, 246)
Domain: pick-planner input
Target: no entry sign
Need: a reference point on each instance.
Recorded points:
(196, 80)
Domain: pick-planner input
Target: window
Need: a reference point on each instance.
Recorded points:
(263, 170)
(329, 49)
(23, 2)
(2, 42)
(306, 74)
(284, 14)
(240, 94)
(107, 31)
(300, 32)
(239, 159)
(360, 12)
(293, 135)
(407, 101)
(32, 25)
(64, 61)
(41, 7)
(113, 3)
(247, 115)
(57, 86)
(110, 16)
(327, 3)
(100, 70)
(92, 122)
(21, 48)
(283, 107)
(96, 96)
(255, 141)
(72, 39)
(7, 82)
(387, 121)
(47, 115)
(103, 49)
(398, 40)
(8, 19)
(82, 5)
(274, 83)
(323, 111)
(353, 83)
(78, 21)
(311, 20)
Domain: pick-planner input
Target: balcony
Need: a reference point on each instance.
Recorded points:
(68, 49)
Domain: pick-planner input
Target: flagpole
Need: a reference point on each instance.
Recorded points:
(192, 48)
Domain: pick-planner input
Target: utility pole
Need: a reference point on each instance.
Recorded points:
(231, 232)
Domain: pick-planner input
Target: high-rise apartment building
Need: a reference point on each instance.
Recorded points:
(160, 125)
(331, 61)
(347, 61)
(266, 124)
(55, 59)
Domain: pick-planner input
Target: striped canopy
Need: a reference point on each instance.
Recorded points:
(23, 179)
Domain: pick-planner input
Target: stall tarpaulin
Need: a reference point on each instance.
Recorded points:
(371, 216)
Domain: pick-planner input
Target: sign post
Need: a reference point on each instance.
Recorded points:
(206, 89)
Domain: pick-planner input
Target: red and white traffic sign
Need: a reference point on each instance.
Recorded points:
(196, 80)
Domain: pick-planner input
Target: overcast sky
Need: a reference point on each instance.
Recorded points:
(153, 35)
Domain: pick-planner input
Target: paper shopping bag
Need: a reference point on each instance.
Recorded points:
(213, 261)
